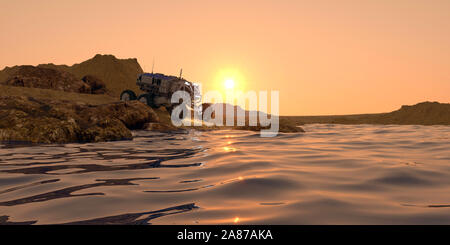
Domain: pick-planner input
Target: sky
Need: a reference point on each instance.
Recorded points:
(324, 57)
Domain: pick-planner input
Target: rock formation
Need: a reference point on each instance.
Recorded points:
(117, 74)
(36, 77)
(25, 119)
(111, 74)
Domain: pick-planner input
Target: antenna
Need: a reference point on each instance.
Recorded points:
(153, 65)
(181, 72)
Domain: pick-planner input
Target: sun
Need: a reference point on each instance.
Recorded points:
(229, 83)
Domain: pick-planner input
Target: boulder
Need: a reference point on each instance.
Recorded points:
(133, 114)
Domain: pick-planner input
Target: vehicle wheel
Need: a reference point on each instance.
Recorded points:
(127, 95)
(146, 99)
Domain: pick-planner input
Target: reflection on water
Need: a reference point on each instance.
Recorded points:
(333, 174)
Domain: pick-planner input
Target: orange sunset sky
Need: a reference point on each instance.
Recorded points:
(325, 57)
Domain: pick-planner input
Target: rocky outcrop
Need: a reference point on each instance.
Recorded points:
(425, 113)
(25, 119)
(100, 72)
(35, 77)
(117, 74)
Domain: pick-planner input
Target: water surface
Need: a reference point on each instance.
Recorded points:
(332, 174)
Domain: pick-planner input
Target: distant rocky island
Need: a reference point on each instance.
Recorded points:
(52, 103)
(425, 113)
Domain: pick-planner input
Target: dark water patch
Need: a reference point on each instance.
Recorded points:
(439, 206)
(136, 218)
(402, 179)
(272, 203)
(411, 177)
(190, 181)
(4, 220)
(427, 206)
(29, 185)
(86, 168)
(68, 192)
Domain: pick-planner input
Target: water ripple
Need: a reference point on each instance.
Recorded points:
(332, 174)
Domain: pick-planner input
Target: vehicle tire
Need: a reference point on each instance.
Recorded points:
(146, 99)
(127, 95)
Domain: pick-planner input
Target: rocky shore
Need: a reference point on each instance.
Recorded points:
(24, 119)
